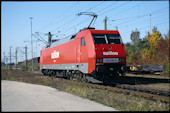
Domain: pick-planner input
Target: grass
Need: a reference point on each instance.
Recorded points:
(118, 101)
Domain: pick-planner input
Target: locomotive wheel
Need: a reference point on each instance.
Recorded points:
(43, 72)
(79, 76)
(84, 78)
(73, 77)
(52, 73)
(122, 74)
(56, 73)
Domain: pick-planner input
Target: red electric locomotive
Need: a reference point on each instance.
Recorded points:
(92, 53)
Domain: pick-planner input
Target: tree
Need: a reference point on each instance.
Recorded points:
(142, 43)
(163, 54)
(135, 35)
(133, 54)
(129, 53)
(151, 52)
(154, 41)
(167, 36)
(153, 49)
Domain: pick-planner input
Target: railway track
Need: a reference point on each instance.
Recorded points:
(154, 91)
(146, 92)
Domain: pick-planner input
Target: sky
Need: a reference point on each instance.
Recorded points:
(61, 19)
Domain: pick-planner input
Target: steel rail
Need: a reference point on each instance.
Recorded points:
(149, 90)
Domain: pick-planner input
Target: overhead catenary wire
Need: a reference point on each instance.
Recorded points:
(74, 18)
(107, 7)
(86, 18)
(123, 10)
(137, 17)
(144, 28)
(42, 39)
(143, 24)
(112, 8)
(61, 15)
(115, 8)
(67, 16)
(95, 6)
(71, 27)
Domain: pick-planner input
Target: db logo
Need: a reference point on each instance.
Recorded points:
(54, 55)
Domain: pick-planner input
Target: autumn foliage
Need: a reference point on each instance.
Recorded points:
(153, 49)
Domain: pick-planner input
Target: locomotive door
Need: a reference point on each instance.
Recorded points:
(81, 55)
(78, 52)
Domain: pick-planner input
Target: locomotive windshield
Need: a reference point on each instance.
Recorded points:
(106, 39)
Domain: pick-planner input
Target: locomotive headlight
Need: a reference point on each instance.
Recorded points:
(123, 59)
(100, 60)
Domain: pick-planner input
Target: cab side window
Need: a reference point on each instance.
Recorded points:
(82, 41)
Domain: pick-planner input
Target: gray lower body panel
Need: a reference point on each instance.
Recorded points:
(83, 67)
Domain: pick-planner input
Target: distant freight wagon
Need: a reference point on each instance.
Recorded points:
(145, 69)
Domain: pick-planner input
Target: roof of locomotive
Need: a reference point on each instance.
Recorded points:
(71, 37)
(104, 31)
(61, 41)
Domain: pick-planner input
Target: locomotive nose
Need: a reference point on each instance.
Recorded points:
(109, 53)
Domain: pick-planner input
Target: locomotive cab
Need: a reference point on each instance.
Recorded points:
(110, 54)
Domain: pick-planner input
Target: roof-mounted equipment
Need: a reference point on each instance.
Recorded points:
(91, 14)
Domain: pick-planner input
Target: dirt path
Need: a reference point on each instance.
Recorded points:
(18, 96)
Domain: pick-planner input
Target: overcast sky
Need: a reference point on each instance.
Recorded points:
(60, 18)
